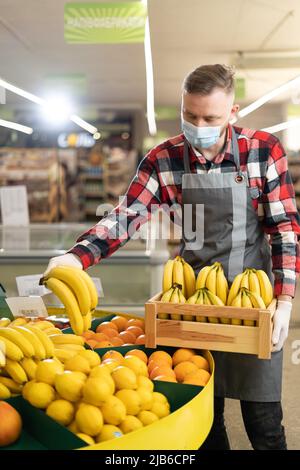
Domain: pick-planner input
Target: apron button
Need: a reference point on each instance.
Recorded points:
(239, 178)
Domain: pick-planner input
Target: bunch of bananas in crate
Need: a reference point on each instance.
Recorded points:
(250, 289)
(76, 290)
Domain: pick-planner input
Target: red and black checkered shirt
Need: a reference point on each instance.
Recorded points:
(158, 181)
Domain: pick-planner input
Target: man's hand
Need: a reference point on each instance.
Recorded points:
(281, 321)
(64, 260)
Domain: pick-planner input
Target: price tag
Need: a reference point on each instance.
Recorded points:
(27, 306)
(14, 205)
(29, 285)
(98, 285)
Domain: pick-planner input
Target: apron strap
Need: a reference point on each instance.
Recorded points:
(186, 157)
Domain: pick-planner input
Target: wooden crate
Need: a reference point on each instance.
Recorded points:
(212, 336)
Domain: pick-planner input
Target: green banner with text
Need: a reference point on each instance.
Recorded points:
(106, 23)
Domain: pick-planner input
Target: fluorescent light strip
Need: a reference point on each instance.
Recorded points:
(42, 102)
(16, 127)
(267, 97)
(282, 126)
(149, 79)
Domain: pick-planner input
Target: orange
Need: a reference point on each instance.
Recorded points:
(104, 325)
(136, 322)
(135, 330)
(100, 337)
(183, 369)
(182, 355)
(104, 344)
(120, 322)
(110, 332)
(91, 343)
(140, 339)
(199, 377)
(127, 337)
(162, 370)
(116, 341)
(165, 378)
(88, 334)
(161, 355)
(158, 362)
(200, 362)
(140, 354)
(113, 355)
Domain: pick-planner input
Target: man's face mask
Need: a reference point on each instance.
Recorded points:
(201, 137)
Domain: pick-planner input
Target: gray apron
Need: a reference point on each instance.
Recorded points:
(233, 235)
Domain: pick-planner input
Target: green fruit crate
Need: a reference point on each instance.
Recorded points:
(213, 336)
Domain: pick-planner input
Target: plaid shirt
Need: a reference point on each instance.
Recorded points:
(158, 181)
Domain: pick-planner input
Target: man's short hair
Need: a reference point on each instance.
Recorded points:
(204, 79)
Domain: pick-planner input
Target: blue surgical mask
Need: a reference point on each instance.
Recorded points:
(201, 137)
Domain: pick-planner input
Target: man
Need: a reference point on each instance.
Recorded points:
(240, 177)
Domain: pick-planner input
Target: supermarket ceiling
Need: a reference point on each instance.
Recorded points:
(261, 37)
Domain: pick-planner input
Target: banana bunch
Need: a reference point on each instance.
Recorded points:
(213, 278)
(177, 272)
(204, 296)
(248, 299)
(67, 346)
(76, 290)
(173, 295)
(257, 282)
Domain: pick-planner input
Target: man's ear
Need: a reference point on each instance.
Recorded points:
(234, 110)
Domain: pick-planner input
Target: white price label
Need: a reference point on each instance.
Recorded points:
(27, 306)
(29, 285)
(98, 285)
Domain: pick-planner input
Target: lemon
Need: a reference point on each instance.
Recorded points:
(26, 388)
(89, 419)
(113, 410)
(103, 375)
(124, 378)
(40, 394)
(99, 371)
(73, 427)
(131, 400)
(69, 385)
(136, 364)
(78, 363)
(145, 382)
(47, 370)
(146, 398)
(111, 364)
(61, 411)
(147, 417)
(109, 431)
(160, 409)
(157, 396)
(91, 356)
(96, 391)
(88, 439)
(130, 423)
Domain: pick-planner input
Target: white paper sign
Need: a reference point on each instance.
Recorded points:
(13, 239)
(14, 205)
(29, 285)
(27, 306)
(98, 285)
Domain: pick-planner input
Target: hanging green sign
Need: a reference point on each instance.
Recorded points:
(240, 88)
(110, 23)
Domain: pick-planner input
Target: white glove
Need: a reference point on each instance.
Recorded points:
(64, 260)
(281, 321)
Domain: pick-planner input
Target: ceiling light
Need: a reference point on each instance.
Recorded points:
(282, 126)
(16, 127)
(57, 109)
(97, 136)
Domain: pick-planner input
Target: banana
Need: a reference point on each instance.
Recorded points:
(87, 321)
(257, 300)
(166, 297)
(75, 283)
(200, 301)
(69, 347)
(215, 300)
(234, 289)
(266, 288)
(246, 302)
(10, 350)
(254, 282)
(18, 322)
(168, 275)
(2, 358)
(53, 331)
(39, 350)
(222, 285)
(13, 386)
(67, 339)
(211, 280)
(64, 354)
(46, 342)
(207, 301)
(193, 298)
(66, 296)
(29, 365)
(42, 324)
(202, 276)
(163, 316)
(237, 302)
(4, 392)
(175, 299)
(189, 279)
(19, 340)
(15, 371)
(182, 300)
(90, 285)
(178, 276)
(245, 279)
(4, 321)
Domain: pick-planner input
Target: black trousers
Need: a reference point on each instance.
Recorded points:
(262, 422)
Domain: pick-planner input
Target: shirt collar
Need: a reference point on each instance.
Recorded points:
(196, 156)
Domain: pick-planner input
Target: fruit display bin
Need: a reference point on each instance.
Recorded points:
(186, 427)
(213, 336)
